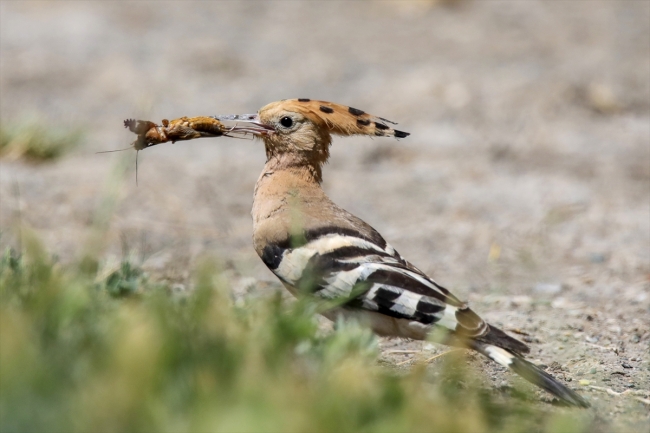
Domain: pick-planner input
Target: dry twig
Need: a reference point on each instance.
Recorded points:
(630, 392)
(428, 360)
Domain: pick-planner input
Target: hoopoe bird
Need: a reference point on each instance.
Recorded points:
(318, 249)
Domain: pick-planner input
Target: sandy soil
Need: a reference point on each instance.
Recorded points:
(524, 187)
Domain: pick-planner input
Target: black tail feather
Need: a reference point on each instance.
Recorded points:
(499, 338)
(539, 377)
(531, 373)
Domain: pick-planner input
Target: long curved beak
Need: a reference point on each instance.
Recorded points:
(251, 124)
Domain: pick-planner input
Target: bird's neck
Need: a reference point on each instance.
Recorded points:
(288, 195)
(302, 166)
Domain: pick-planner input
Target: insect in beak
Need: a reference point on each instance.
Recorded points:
(251, 124)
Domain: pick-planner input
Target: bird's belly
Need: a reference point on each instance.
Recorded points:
(381, 324)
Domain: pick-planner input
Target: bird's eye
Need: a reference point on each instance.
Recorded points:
(286, 121)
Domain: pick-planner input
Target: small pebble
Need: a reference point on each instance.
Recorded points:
(584, 382)
(548, 288)
(626, 365)
(596, 258)
(592, 370)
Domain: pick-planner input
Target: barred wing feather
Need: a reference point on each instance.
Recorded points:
(365, 271)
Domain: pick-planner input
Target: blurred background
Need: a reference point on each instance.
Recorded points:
(526, 177)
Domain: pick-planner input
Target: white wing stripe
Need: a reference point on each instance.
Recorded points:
(331, 242)
(293, 264)
(342, 283)
(295, 260)
(412, 275)
(408, 300)
(448, 319)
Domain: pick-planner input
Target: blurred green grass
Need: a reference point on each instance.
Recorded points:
(36, 141)
(116, 353)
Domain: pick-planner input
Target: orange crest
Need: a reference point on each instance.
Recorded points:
(337, 119)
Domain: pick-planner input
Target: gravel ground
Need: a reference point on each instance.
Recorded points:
(524, 187)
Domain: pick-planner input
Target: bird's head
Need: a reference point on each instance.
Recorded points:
(304, 127)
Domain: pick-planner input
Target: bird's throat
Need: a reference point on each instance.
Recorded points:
(303, 166)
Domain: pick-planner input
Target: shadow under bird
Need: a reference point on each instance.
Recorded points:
(318, 249)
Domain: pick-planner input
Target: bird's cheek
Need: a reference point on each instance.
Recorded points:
(302, 141)
(302, 145)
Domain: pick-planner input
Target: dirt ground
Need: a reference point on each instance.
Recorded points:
(524, 187)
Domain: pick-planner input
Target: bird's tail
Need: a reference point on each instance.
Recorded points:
(530, 372)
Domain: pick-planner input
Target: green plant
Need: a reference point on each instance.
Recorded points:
(37, 142)
(77, 355)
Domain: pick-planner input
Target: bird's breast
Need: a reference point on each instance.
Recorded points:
(283, 203)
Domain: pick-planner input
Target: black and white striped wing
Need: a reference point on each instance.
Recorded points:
(367, 273)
